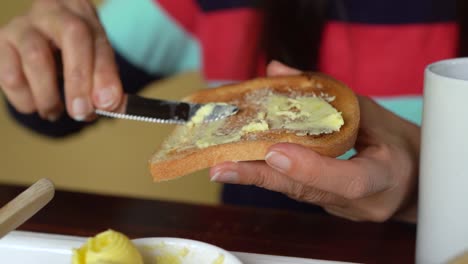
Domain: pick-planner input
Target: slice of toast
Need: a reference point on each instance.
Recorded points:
(248, 134)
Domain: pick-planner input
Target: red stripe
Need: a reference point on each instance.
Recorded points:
(230, 41)
(184, 12)
(385, 60)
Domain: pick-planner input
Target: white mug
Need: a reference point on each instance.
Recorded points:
(442, 230)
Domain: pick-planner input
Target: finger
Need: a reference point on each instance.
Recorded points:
(75, 39)
(236, 172)
(276, 68)
(352, 179)
(107, 89)
(39, 68)
(12, 79)
(260, 174)
(77, 55)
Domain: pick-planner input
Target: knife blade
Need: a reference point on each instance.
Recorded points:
(166, 112)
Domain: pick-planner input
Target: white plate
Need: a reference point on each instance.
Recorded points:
(182, 251)
(41, 248)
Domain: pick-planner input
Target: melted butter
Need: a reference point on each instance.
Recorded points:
(202, 113)
(211, 129)
(107, 247)
(257, 125)
(168, 259)
(299, 114)
(219, 259)
(211, 135)
(308, 115)
(165, 254)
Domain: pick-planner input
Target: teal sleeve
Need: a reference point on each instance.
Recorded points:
(147, 36)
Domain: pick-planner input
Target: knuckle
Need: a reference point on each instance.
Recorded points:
(302, 192)
(11, 79)
(314, 172)
(357, 188)
(35, 51)
(76, 75)
(385, 152)
(260, 179)
(264, 178)
(108, 73)
(76, 27)
(297, 192)
(105, 60)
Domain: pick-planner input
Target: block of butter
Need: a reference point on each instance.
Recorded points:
(109, 247)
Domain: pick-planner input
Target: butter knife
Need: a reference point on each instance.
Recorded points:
(166, 112)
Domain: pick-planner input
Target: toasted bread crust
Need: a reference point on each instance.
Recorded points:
(333, 145)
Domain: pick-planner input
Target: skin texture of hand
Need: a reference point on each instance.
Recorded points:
(378, 183)
(28, 71)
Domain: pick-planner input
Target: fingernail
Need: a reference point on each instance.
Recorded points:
(81, 109)
(278, 161)
(106, 97)
(226, 177)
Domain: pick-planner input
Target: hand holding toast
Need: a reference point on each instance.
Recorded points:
(28, 71)
(378, 183)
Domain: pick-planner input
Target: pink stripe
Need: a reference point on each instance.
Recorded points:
(383, 60)
(230, 41)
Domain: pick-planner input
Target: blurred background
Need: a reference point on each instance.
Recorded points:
(108, 158)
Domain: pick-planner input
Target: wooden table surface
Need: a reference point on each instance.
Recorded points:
(243, 229)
